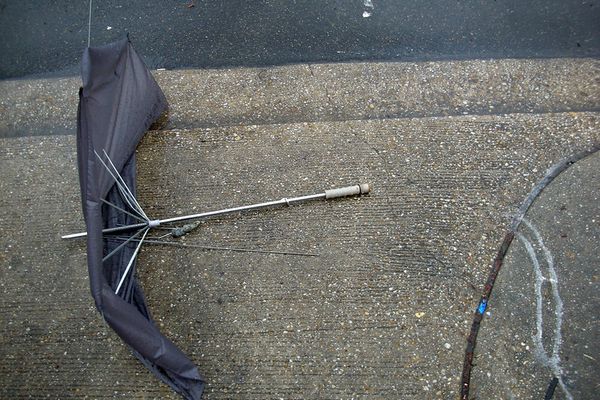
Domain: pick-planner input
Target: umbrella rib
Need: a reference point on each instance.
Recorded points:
(119, 247)
(125, 186)
(118, 183)
(124, 194)
(234, 249)
(133, 256)
(124, 211)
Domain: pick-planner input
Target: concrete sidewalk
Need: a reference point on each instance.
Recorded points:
(382, 312)
(543, 318)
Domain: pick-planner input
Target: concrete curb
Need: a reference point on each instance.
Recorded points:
(326, 92)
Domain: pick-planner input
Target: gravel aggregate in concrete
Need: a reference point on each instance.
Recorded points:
(381, 313)
(326, 92)
(517, 354)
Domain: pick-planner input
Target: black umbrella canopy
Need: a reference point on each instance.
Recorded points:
(118, 102)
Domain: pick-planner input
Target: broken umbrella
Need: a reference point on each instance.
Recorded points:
(118, 102)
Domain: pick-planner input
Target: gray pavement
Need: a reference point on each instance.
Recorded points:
(543, 318)
(384, 310)
(326, 92)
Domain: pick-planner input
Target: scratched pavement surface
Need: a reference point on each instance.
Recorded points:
(383, 310)
(543, 316)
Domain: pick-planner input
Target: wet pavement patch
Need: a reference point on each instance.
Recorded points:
(539, 335)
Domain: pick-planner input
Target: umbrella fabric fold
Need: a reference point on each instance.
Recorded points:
(118, 102)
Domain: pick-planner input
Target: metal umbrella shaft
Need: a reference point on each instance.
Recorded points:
(328, 194)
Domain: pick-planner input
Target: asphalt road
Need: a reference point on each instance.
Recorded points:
(46, 38)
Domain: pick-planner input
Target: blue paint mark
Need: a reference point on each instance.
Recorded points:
(482, 306)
